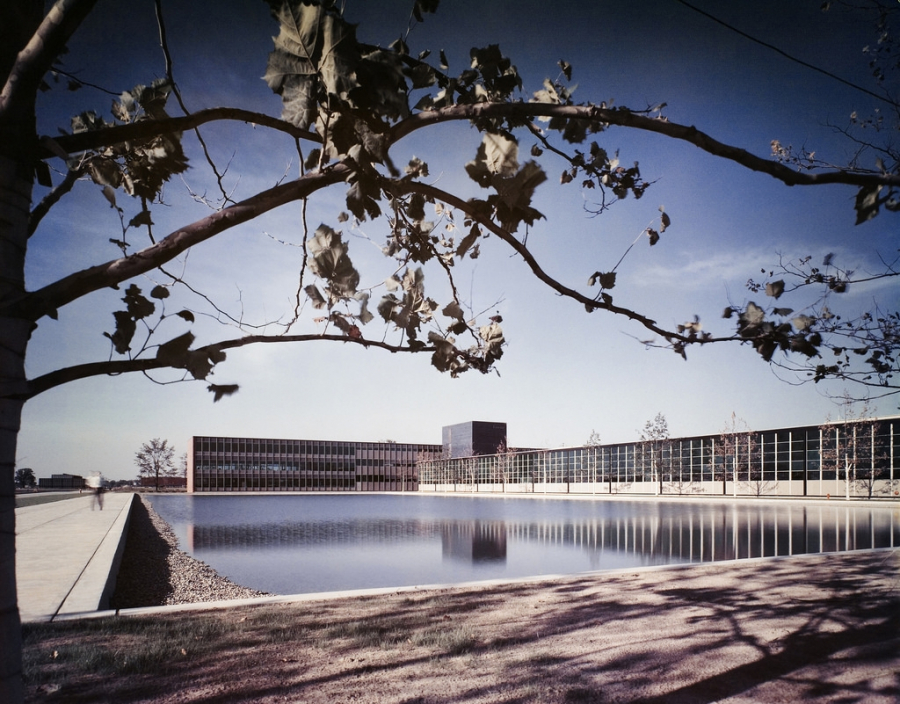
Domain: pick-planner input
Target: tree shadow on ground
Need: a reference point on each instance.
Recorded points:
(826, 628)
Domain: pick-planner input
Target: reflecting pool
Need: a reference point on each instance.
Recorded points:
(303, 544)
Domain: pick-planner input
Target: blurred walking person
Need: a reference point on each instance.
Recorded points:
(95, 482)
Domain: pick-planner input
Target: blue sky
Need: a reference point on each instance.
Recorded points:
(564, 373)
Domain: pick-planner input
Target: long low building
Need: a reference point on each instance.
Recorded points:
(270, 464)
(858, 458)
(854, 459)
(62, 481)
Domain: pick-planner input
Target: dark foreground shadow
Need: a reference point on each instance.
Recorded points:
(824, 629)
(143, 578)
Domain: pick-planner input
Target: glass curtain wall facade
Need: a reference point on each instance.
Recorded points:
(267, 464)
(861, 459)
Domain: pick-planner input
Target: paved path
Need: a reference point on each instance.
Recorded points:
(67, 554)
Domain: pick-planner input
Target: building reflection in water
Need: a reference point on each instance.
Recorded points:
(477, 541)
(660, 533)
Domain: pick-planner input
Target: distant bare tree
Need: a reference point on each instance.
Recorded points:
(654, 438)
(854, 448)
(756, 483)
(677, 483)
(734, 446)
(155, 459)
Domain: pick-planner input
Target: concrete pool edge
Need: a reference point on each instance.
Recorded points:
(484, 584)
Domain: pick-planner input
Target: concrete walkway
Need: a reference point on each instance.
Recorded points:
(68, 554)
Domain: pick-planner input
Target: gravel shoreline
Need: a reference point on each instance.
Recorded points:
(155, 572)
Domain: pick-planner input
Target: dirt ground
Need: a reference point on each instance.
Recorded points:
(816, 628)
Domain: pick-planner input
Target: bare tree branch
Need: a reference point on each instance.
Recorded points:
(47, 300)
(145, 129)
(164, 44)
(52, 198)
(626, 118)
(522, 111)
(589, 303)
(58, 377)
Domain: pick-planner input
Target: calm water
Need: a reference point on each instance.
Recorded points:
(302, 544)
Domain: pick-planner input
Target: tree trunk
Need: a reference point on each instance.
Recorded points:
(11, 688)
(18, 20)
(15, 202)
